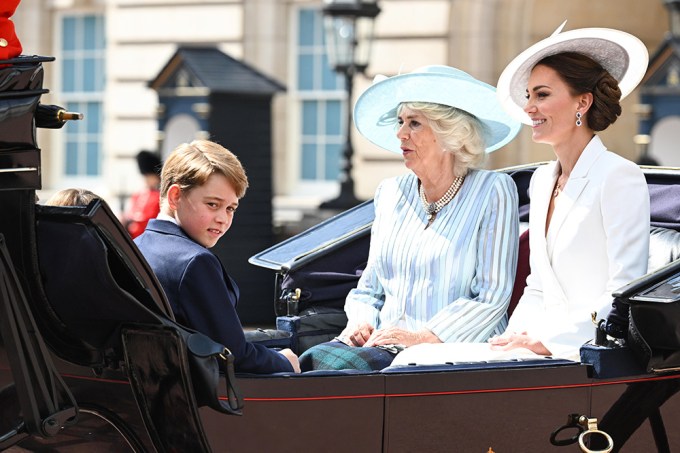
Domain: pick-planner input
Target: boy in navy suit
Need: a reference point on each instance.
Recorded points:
(201, 184)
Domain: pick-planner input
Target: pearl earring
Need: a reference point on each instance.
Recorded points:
(578, 119)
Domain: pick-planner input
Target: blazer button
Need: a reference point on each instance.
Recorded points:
(3, 42)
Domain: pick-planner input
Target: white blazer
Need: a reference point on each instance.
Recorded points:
(598, 241)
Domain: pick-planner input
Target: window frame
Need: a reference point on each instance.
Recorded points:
(322, 187)
(81, 100)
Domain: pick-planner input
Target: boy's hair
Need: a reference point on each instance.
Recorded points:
(191, 164)
(72, 197)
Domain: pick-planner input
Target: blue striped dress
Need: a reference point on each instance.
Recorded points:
(454, 278)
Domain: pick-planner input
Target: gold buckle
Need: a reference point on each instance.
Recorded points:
(224, 354)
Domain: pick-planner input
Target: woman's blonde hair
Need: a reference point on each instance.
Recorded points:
(457, 131)
(191, 164)
(71, 197)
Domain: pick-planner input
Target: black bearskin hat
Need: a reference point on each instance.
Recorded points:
(149, 163)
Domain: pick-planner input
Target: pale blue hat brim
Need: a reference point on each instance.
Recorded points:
(375, 112)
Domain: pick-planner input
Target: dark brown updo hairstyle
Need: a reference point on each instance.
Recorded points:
(584, 75)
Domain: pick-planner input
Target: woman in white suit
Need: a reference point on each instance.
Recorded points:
(589, 215)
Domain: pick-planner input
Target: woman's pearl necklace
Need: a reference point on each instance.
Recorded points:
(431, 209)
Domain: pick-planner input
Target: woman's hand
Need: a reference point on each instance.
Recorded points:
(514, 340)
(292, 358)
(356, 336)
(394, 335)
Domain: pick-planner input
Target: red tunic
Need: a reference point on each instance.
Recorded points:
(144, 205)
(10, 46)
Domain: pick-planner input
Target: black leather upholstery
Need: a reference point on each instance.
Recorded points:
(664, 247)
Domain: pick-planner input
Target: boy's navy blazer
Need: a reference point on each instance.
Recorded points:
(202, 295)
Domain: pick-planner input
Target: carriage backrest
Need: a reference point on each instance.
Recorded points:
(94, 277)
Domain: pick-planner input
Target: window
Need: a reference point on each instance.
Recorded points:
(82, 90)
(322, 97)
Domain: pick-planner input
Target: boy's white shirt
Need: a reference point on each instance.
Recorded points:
(162, 216)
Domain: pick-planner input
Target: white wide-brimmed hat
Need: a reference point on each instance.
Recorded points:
(375, 112)
(623, 55)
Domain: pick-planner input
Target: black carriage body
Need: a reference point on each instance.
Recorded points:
(508, 406)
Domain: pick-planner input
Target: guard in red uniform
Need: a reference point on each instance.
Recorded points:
(144, 205)
(10, 46)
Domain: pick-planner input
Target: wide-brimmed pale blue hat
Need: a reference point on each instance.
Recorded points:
(375, 112)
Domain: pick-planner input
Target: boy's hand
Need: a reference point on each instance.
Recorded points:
(292, 358)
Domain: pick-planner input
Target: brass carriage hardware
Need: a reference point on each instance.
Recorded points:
(224, 355)
(591, 424)
(292, 304)
(63, 115)
(585, 428)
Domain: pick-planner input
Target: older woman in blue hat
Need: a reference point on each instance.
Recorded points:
(443, 250)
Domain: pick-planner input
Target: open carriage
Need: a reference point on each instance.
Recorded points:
(91, 359)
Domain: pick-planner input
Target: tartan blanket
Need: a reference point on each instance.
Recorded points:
(335, 355)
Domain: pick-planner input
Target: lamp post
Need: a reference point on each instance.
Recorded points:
(349, 34)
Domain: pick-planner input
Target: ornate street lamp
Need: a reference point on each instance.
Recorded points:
(349, 35)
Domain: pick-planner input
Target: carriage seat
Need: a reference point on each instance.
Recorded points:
(95, 280)
(106, 310)
(664, 247)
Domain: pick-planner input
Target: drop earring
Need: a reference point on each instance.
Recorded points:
(578, 119)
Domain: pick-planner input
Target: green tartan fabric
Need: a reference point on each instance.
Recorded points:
(336, 355)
